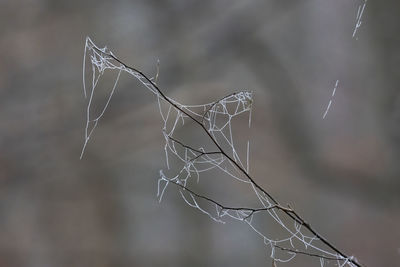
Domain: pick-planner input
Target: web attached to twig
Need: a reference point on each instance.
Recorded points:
(190, 163)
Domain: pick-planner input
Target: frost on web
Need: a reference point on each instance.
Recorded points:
(359, 16)
(281, 230)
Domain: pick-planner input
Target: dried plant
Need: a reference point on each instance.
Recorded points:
(215, 121)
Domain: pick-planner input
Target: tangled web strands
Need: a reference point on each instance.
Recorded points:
(215, 119)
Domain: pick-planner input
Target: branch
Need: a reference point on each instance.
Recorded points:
(223, 207)
(309, 254)
(201, 153)
(288, 211)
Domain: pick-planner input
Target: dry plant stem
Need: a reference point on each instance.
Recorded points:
(223, 207)
(289, 212)
(201, 153)
(193, 149)
(307, 253)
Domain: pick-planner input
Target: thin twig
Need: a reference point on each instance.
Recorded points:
(223, 207)
(191, 148)
(308, 254)
(290, 213)
(201, 153)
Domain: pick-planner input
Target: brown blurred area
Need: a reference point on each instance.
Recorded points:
(342, 172)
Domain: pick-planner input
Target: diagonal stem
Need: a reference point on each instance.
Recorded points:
(289, 212)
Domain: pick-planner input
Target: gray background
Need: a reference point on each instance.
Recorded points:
(341, 173)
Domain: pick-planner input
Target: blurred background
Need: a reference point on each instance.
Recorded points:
(341, 173)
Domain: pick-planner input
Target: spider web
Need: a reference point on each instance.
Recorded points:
(190, 163)
(359, 17)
